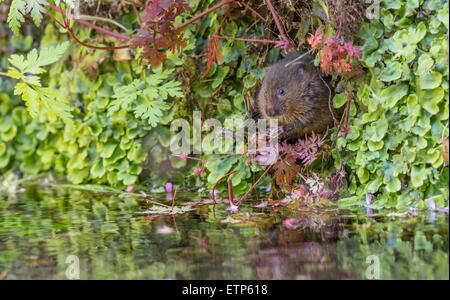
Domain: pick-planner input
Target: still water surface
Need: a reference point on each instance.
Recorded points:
(114, 239)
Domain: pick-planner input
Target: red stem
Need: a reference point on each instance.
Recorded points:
(105, 31)
(98, 28)
(137, 13)
(252, 10)
(277, 20)
(230, 191)
(66, 27)
(214, 189)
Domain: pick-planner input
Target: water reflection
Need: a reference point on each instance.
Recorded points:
(41, 227)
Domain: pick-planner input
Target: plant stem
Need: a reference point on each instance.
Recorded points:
(86, 23)
(230, 191)
(246, 40)
(277, 20)
(252, 10)
(4, 74)
(214, 189)
(137, 13)
(256, 183)
(94, 18)
(201, 15)
(174, 196)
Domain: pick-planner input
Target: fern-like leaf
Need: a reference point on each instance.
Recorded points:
(146, 99)
(125, 96)
(34, 62)
(35, 9)
(152, 111)
(15, 16)
(39, 100)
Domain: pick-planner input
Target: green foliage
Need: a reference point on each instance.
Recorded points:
(393, 149)
(19, 8)
(34, 8)
(117, 123)
(149, 98)
(39, 99)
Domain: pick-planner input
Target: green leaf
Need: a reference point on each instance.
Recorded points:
(417, 174)
(55, 105)
(124, 96)
(431, 81)
(172, 89)
(221, 74)
(339, 100)
(431, 98)
(19, 8)
(30, 96)
(391, 95)
(424, 64)
(35, 9)
(98, 170)
(392, 4)
(152, 111)
(15, 16)
(392, 72)
(77, 176)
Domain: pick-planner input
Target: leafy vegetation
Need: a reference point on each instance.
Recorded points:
(400, 119)
(91, 105)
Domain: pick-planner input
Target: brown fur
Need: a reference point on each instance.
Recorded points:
(305, 107)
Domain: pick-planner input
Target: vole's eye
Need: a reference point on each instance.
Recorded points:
(281, 92)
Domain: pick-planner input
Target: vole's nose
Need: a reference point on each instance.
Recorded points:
(273, 111)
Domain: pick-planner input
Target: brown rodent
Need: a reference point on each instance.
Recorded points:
(294, 93)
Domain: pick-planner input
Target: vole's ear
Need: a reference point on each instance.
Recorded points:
(301, 68)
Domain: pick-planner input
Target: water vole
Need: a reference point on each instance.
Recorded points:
(294, 93)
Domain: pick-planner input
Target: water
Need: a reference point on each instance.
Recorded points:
(42, 229)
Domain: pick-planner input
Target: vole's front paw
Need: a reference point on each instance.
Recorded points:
(288, 127)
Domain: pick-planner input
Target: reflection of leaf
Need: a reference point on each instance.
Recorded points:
(92, 188)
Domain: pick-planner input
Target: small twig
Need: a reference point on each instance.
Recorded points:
(298, 58)
(174, 196)
(277, 20)
(256, 183)
(4, 74)
(246, 40)
(252, 10)
(206, 12)
(203, 160)
(230, 190)
(214, 189)
(105, 31)
(137, 13)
